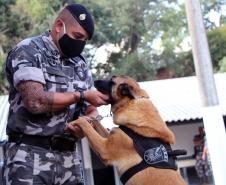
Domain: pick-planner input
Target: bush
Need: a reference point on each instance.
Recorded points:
(217, 44)
(222, 65)
(3, 81)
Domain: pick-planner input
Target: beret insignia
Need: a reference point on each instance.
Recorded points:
(82, 17)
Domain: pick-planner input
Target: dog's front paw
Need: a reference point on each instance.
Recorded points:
(80, 121)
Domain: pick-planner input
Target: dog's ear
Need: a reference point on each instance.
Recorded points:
(126, 90)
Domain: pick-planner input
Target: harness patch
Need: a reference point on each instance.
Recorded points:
(156, 155)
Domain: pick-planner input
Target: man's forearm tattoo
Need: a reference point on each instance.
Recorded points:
(35, 98)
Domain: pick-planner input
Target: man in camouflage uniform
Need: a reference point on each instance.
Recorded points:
(50, 85)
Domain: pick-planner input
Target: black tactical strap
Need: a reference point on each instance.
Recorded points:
(59, 142)
(144, 144)
(132, 171)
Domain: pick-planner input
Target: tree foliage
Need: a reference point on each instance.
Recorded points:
(147, 34)
(217, 46)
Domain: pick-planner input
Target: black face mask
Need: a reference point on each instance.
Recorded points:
(71, 47)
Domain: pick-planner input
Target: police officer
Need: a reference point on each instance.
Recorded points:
(50, 85)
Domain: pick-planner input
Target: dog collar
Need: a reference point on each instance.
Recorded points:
(153, 151)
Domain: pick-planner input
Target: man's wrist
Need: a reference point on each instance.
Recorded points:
(76, 97)
(82, 96)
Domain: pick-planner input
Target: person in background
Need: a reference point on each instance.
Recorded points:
(202, 165)
(50, 85)
(207, 162)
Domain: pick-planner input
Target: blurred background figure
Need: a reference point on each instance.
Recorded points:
(203, 164)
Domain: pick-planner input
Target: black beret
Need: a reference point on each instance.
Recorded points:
(82, 16)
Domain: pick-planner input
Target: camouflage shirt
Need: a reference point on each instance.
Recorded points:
(38, 59)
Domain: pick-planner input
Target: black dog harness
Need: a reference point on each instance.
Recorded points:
(154, 153)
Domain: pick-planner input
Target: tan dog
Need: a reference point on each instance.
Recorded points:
(132, 108)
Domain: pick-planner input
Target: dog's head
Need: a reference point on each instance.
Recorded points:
(132, 107)
(120, 88)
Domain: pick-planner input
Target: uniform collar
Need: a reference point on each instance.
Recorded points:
(49, 44)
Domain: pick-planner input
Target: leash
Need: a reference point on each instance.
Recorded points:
(98, 118)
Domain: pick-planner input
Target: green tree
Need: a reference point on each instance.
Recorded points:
(217, 46)
(133, 27)
(5, 14)
(137, 25)
(222, 64)
(213, 5)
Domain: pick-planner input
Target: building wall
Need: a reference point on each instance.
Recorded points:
(184, 136)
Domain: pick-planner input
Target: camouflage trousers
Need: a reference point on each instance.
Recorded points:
(30, 165)
(203, 167)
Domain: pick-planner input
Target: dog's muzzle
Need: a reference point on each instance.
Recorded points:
(105, 87)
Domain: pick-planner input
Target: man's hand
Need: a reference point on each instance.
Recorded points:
(96, 98)
(75, 130)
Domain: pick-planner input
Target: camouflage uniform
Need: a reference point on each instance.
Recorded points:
(38, 59)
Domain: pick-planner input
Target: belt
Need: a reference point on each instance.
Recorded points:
(64, 142)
